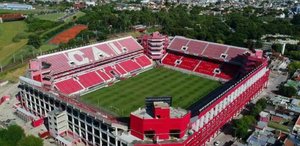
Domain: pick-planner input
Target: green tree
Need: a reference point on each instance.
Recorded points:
(30, 141)
(292, 67)
(294, 55)
(296, 19)
(11, 135)
(276, 47)
(34, 40)
(287, 91)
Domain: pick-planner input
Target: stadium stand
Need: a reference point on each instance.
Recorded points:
(205, 49)
(204, 57)
(90, 79)
(103, 75)
(68, 86)
(188, 63)
(196, 47)
(74, 71)
(170, 59)
(214, 51)
(143, 61)
(178, 42)
(130, 65)
(81, 70)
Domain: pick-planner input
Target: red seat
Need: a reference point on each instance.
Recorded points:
(120, 69)
(170, 59)
(130, 65)
(111, 72)
(207, 67)
(103, 75)
(90, 79)
(68, 86)
(188, 63)
(143, 61)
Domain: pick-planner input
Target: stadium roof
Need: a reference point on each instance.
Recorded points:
(69, 59)
(206, 49)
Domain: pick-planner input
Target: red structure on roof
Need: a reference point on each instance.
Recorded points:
(151, 123)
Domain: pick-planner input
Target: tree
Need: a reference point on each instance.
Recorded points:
(34, 40)
(296, 19)
(30, 141)
(292, 67)
(287, 91)
(294, 55)
(11, 135)
(276, 47)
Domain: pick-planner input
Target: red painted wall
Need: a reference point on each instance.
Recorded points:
(161, 126)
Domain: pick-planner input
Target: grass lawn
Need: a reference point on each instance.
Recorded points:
(13, 74)
(69, 19)
(128, 95)
(50, 17)
(278, 126)
(8, 31)
(47, 47)
(77, 14)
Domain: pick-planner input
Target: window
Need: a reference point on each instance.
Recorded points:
(112, 140)
(89, 128)
(96, 123)
(103, 127)
(76, 121)
(90, 137)
(88, 120)
(96, 131)
(82, 116)
(104, 135)
(150, 134)
(175, 133)
(75, 113)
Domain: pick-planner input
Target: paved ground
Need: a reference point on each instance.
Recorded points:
(7, 114)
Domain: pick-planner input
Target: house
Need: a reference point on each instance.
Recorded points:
(264, 116)
(277, 119)
(296, 128)
(261, 138)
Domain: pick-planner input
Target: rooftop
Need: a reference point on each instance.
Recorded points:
(174, 113)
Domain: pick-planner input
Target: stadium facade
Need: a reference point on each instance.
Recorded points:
(54, 82)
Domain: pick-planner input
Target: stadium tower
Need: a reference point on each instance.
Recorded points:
(55, 82)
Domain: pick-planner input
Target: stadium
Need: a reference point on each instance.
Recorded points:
(150, 91)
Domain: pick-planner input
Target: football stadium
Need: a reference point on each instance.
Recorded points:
(153, 90)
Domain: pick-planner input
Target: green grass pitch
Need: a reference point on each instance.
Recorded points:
(128, 95)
